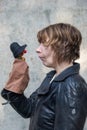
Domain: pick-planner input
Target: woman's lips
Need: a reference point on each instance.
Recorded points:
(42, 58)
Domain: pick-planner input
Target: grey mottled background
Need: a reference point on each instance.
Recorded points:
(20, 21)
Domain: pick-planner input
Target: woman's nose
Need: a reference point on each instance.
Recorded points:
(38, 50)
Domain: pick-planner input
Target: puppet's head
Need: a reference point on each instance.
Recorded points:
(17, 50)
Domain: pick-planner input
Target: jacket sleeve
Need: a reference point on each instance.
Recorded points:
(22, 105)
(70, 114)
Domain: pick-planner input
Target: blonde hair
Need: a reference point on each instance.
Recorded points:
(65, 40)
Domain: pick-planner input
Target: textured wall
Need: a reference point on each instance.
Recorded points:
(20, 21)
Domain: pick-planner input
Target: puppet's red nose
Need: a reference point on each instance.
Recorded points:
(25, 51)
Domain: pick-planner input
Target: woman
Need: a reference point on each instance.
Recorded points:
(60, 101)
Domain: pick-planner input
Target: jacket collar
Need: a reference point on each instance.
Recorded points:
(68, 72)
(44, 87)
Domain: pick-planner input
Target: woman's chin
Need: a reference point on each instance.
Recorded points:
(47, 65)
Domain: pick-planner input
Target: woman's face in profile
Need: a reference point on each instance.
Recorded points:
(47, 55)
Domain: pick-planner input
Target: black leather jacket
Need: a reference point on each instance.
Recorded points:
(59, 105)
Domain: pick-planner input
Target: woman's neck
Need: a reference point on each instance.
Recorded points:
(61, 67)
